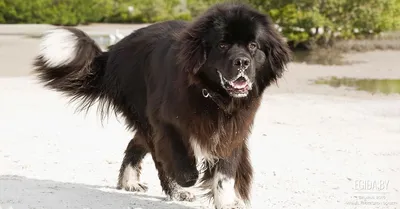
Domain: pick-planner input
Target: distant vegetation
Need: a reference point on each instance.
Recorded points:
(301, 21)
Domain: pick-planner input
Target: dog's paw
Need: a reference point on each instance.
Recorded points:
(182, 195)
(235, 205)
(134, 187)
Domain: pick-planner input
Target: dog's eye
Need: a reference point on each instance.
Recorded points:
(252, 46)
(222, 45)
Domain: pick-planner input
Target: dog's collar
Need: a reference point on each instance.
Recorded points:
(205, 93)
(215, 97)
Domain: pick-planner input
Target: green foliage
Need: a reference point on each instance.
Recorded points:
(298, 19)
(197, 7)
(58, 12)
(339, 19)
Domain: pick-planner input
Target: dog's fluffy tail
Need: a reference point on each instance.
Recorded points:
(71, 62)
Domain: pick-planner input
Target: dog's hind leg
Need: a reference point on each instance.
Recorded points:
(129, 173)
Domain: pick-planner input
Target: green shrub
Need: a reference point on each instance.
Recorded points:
(58, 12)
(340, 19)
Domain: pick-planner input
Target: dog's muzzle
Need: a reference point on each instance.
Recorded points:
(237, 87)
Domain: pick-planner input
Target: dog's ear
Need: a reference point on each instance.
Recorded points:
(191, 54)
(277, 53)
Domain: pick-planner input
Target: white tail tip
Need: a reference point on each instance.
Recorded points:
(58, 47)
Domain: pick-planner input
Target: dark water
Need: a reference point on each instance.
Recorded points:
(386, 86)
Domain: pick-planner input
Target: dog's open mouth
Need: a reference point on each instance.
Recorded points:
(237, 87)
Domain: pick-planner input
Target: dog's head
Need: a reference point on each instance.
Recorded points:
(234, 47)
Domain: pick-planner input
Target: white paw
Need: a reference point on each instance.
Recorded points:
(134, 187)
(182, 195)
(129, 180)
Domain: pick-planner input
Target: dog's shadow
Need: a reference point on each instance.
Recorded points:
(19, 193)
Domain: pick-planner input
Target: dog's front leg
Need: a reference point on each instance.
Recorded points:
(174, 156)
(232, 179)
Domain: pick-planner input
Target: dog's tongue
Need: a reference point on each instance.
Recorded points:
(239, 83)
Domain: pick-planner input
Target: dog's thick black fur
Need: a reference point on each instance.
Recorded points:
(190, 90)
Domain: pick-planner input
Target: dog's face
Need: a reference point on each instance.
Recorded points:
(233, 56)
(234, 47)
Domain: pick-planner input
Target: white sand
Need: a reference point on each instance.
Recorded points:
(312, 146)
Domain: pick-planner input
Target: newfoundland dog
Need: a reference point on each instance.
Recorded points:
(189, 90)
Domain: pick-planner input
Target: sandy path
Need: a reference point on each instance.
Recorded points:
(312, 146)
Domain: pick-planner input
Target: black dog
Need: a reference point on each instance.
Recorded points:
(190, 90)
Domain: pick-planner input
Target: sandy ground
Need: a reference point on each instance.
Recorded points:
(312, 146)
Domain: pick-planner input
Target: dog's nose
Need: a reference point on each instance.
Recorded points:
(242, 62)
